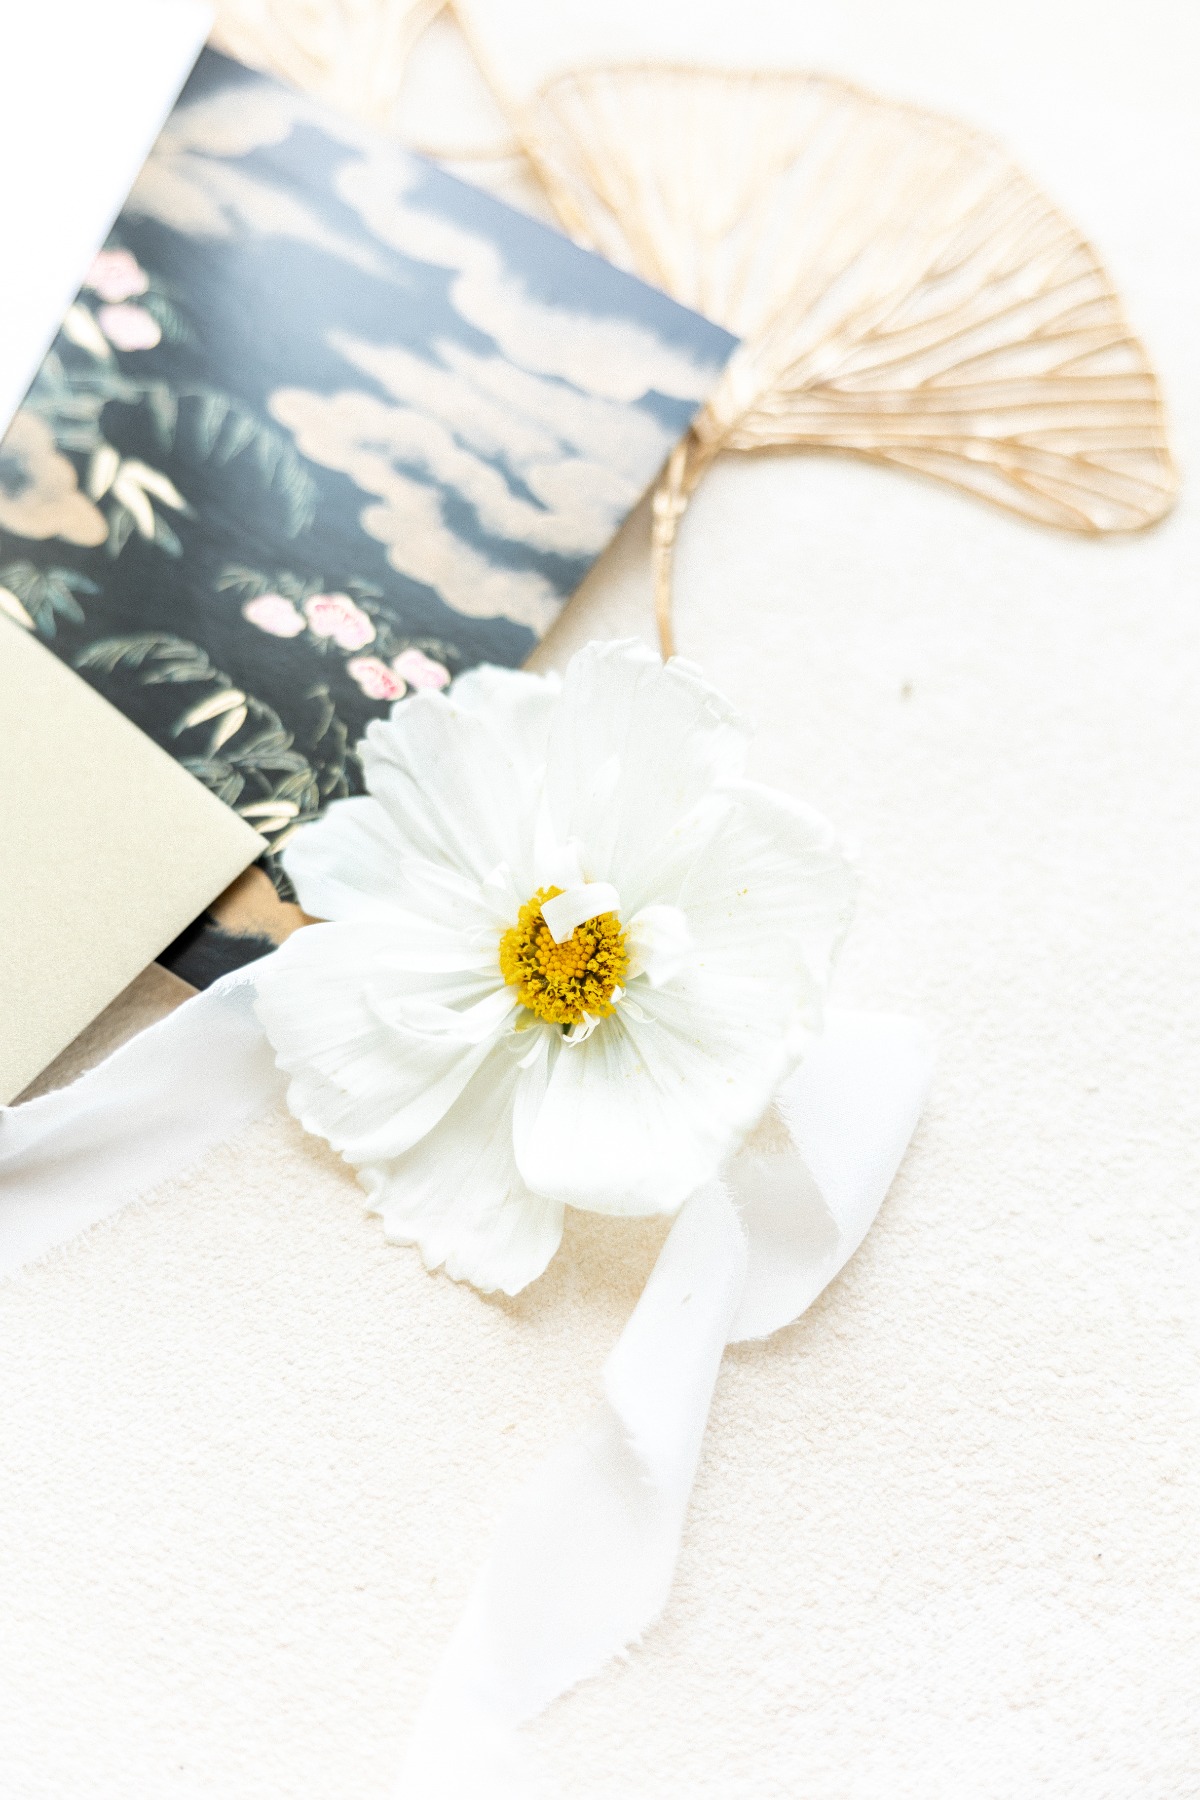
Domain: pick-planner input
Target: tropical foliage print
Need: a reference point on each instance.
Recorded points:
(64, 479)
(236, 745)
(323, 427)
(37, 598)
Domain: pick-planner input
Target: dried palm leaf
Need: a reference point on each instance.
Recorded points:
(355, 55)
(351, 53)
(903, 291)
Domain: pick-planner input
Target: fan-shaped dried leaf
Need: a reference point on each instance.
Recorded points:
(903, 291)
(352, 53)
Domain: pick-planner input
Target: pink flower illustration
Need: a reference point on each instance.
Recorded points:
(129, 327)
(336, 616)
(375, 678)
(116, 275)
(420, 671)
(271, 612)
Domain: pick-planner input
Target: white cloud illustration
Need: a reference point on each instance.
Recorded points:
(538, 463)
(364, 438)
(194, 180)
(505, 411)
(615, 356)
(537, 444)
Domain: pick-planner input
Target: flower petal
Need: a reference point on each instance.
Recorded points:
(632, 1121)
(355, 864)
(371, 1084)
(457, 1195)
(481, 1020)
(518, 705)
(769, 899)
(576, 905)
(636, 1117)
(635, 745)
(455, 784)
(659, 941)
(345, 866)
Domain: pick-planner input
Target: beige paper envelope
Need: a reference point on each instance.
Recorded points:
(107, 850)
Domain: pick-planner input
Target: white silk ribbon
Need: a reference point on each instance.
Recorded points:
(150, 1110)
(584, 1556)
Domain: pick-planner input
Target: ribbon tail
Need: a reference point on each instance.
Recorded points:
(76, 1156)
(584, 1558)
(807, 1199)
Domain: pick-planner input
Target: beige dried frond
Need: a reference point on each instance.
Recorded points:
(351, 53)
(903, 290)
(355, 55)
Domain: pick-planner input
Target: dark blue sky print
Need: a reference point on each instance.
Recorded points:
(323, 425)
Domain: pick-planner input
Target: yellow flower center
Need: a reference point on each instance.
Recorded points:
(562, 982)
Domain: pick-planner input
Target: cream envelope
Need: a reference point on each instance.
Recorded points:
(107, 847)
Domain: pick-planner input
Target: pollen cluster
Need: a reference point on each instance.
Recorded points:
(562, 982)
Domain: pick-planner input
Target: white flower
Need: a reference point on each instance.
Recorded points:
(574, 953)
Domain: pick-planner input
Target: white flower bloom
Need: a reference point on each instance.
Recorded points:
(573, 953)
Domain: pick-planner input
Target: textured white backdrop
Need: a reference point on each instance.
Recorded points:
(944, 1538)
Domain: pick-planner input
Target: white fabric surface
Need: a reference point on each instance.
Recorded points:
(585, 1554)
(943, 1540)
